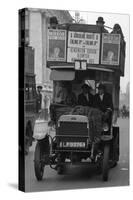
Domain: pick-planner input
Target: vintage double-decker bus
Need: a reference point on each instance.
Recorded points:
(79, 54)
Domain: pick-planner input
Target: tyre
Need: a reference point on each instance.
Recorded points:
(29, 133)
(116, 147)
(114, 158)
(60, 169)
(105, 167)
(38, 166)
(112, 163)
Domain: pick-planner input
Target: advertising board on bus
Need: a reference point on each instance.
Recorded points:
(83, 46)
(110, 49)
(56, 50)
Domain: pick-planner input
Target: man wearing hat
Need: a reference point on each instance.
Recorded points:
(100, 22)
(53, 22)
(38, 98)
(103, 101)
(85, 98)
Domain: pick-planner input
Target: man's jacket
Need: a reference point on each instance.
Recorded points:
(103, 104)
(82, 100)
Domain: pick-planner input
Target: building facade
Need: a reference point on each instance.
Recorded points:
(37, 22)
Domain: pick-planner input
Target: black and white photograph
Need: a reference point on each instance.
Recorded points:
(75, 90)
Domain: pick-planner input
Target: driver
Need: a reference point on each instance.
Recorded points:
(85, 98)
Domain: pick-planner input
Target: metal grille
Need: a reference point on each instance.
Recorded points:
(72, 128)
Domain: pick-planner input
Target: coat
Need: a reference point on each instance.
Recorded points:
(103, 104)
(82, 100)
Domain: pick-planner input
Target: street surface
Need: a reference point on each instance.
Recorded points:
(78, 177)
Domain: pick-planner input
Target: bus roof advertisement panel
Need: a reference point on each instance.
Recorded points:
(56, 50)
(83, 46)
(110, 49)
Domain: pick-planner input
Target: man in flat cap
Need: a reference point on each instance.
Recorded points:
(85, 98)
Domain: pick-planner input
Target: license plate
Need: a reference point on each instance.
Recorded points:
(72, 144)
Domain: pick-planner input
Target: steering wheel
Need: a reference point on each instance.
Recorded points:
(76, 108)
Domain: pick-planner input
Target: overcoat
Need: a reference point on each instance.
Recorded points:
(82, 100)
(103, 104)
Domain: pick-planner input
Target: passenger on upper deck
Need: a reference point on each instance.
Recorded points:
(117, 30)
(85, 98)
(100, 22)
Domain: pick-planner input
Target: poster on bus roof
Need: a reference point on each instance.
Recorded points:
(83, 46)
(110, 49)
(56, 48)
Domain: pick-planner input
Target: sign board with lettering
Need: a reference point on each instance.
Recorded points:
(110, 49)
(56, 50)
(83, 46)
